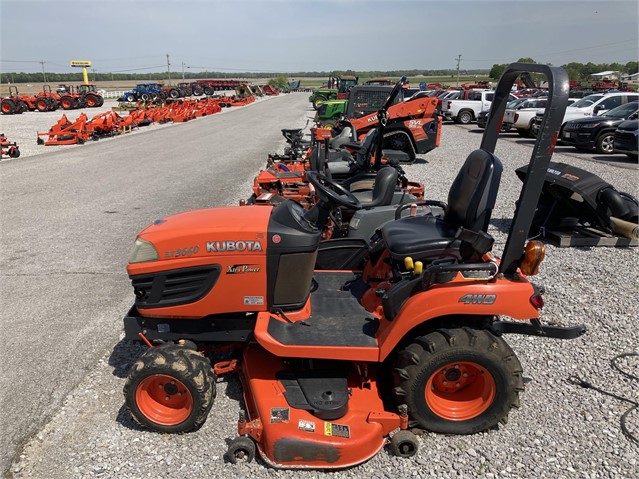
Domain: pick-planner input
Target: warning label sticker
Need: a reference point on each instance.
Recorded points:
(279, 414)
(308, 426)
(337, 430)
(253, 300)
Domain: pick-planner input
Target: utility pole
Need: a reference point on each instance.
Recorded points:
(43, 74)
(168, 67)
(93, 70)
(458, 61)
(182, 71)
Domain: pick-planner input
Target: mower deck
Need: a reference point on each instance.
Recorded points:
(293, 437)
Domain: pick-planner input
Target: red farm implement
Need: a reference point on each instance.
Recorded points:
(209, 87)
(8, 149)
(65, 132)
(270, 90)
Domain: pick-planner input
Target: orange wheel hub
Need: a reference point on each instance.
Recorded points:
(460, 391)
(164, 400)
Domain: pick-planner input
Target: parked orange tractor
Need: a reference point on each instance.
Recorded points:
(333, 363)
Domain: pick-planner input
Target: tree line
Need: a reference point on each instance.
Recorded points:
(22, 77)
(575, 70)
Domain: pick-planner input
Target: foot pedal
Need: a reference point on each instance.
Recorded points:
(323, 393)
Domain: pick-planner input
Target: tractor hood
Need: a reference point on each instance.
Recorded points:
(210, 232)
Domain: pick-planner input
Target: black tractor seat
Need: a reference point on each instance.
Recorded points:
(384, 184)
(461, 233)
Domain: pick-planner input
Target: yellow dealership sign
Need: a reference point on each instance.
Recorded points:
(84, 64)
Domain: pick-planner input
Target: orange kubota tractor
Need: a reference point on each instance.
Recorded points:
(332, 363)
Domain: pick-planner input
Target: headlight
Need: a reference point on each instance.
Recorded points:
(143, 251)
(590, 125)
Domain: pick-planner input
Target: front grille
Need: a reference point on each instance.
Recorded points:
(624, 138)
(173, 287)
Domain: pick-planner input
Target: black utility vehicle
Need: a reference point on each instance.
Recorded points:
(598, 131)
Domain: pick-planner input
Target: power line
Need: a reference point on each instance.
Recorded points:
(138, 69)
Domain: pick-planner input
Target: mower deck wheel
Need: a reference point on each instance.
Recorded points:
(458, 381)
(404, 444)
(241, 449)
(171, 389)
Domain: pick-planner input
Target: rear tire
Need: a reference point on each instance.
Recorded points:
(604, 144)
(92, 101)
(68, 103)
(170, 389)
(42, 104)
(464, 117)
(458, 381)
(7, 107)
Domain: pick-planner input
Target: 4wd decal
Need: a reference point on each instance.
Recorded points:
(242, 268)
(225, 246)
(478, 299)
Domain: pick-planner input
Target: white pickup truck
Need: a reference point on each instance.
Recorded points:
(466, 111)
(522, 116)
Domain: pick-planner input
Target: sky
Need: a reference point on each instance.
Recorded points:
(305, 35)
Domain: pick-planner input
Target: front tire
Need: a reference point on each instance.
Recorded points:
(318, 101)
(458, 381)
(604, 144)
(170, 389)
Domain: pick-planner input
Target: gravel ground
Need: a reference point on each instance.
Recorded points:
(23, 128)
(559, 431)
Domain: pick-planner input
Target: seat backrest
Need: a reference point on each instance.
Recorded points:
(384, 187)
(368, 143)
(472, 195)
(345, 136)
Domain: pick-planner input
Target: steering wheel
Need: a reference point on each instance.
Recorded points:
(331, 192)
(394, 92)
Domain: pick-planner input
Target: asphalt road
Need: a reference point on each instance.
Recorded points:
(68, 221)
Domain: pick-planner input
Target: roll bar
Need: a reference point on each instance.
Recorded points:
(541, 154)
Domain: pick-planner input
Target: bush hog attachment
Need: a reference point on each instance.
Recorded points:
(64, 132)
(333, 363)
(8, 149)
